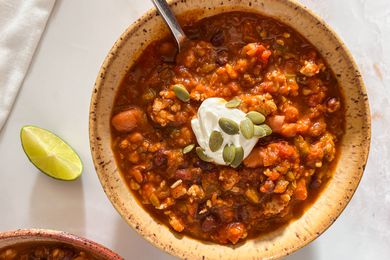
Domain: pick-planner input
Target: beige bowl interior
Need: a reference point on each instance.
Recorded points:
(318, 217)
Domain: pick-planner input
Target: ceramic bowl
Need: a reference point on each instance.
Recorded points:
(334, 198)
(21, 236)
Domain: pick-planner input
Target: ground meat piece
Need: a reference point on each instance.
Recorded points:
(290, 112)
(175, 159)
(178, 191)
(232, 232)
(196, 192)
(272, 175)
(146, 192)
(281, 186)
(267, 187)
(159, 114)
(229, 178)
(317, 128)
(197, 52)
(315, 92)
(324, 148)
(136, 173)
(275, 206)
(168, 111)
(276, 82)
(329, 146)
(315, 99)
(258, 51)
(175, 222)
(235, 232)
(289, 130)
(310, 69)
(315, 154)
(261, 103)
(270, 155)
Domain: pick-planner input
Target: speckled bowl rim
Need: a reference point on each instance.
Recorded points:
(367, 133)
(27, 235)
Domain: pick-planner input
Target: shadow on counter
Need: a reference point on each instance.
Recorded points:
(60, 203)
(130, 245)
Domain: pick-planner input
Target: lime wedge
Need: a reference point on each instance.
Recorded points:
(50, 154)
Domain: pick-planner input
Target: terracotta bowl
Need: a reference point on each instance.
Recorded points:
(332, 201)
(21, 236)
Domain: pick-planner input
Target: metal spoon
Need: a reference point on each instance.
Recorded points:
(170, 19)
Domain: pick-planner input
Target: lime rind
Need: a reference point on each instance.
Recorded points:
(50, 154)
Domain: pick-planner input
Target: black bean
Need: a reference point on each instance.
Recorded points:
(217, 39)
(222, 58)
(205, 166)
(209, 224)
(184, 174)
(315, 183)
(160, 158)
(242, 213)
(302, 80)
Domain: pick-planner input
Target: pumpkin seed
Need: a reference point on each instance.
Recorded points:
(228, 153)
(188, 148)
(247, 128)
(238, 157)
(256, 117)
(259, 131)
(181, 92)
(228, 126)
(215, 141)
(202, 155)
(233, 103)
(267, 129)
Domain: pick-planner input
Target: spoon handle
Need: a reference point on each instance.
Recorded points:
(170, 19)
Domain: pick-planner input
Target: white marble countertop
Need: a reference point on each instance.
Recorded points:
(56, 93)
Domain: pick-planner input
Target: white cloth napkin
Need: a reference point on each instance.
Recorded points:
(21, 25)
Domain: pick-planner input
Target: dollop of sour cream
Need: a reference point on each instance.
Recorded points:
(209, 113)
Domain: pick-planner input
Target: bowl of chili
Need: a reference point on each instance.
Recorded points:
(249, 142)
(50, 244)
